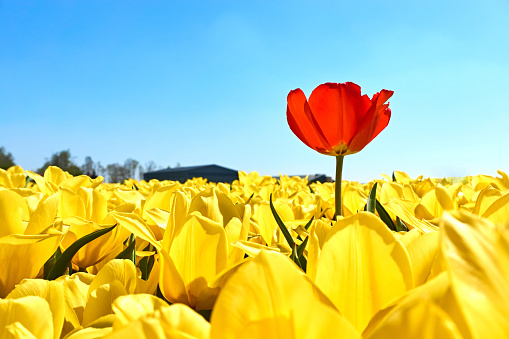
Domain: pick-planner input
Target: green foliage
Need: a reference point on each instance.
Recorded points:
(63, 160)
(6, 159)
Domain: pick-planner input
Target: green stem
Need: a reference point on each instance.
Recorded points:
(339, 171)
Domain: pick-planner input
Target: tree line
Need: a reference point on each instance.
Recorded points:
(116, 172)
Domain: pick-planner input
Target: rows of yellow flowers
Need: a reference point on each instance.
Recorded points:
(210, 260)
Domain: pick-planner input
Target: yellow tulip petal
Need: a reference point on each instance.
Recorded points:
(362, 266)
(436, 201)
(180, 206)
(100, 300)
(150, 285)
(407, 238)
(121, 270)
(237, 230)
(215, 205)
(128, 308)
(423, 320)
(199, 253)
(75, 295)
(253, 249)
(437, 290)
(477, 257)
(266, 223)
(17, 330)
(89, 333)
(10, 213)
(32, 313)
(23, 256)
(498, 210)
(52, 291)
(179, 319)
(270, 307)
(97, 329)
(485, 198)
(422, 252)
(71, 204)
(135, 224)
(175, 321)
(317, 236)
(161, 198)
(44, 215)
(170, 282)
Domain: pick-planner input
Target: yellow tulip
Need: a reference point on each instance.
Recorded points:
(13, 177)
(116, 278)
(75, 294)
(360, 266)
(54, 178)
(196, 254)
(25, 247)
(146, 316)
(52, 292)
(26, 317)
(278, 301)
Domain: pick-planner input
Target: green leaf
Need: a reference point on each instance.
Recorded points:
(309, 223)
(249, 199)
(371, 204)
(281, 225)
(400, 225)
(311, 189)
(49, 265)
(146, 264)
(393, 177)
(295, 256)
(302, 247)
(386, 218)
(58, 253)
(130, 251)
(64, 260)
(300, 254)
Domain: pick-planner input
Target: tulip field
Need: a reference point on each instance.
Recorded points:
(257, 258)
(397, 257)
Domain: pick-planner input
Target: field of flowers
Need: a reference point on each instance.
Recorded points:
(260, 257)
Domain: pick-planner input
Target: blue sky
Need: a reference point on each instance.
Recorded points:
(202, 82)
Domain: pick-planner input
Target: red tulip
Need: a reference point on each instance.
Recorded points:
(337, 119)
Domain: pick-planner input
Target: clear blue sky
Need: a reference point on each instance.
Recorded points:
(202, 82)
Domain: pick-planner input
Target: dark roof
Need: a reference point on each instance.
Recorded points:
(312, 177)
(191, 169)
(213, 173)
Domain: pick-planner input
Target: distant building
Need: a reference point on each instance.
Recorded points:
(313, 178)
(213, 173)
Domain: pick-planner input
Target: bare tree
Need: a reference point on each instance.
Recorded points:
(90, 168)
(117, 173)
(132, 166)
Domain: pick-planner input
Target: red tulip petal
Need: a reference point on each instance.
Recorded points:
(364, 134)
(383, 110)
(375, 120)
(338, 108)
(302, 123)
(382, 97)
(383, 121)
